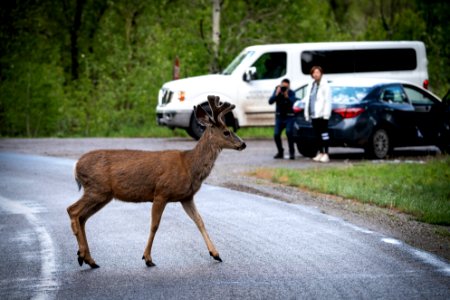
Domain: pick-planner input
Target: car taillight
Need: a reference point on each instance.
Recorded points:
(425, 84)
(348, 113)
(297, 109)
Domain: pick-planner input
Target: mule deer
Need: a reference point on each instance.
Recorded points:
(151, 176)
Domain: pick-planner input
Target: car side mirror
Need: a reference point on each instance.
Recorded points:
(249, 74)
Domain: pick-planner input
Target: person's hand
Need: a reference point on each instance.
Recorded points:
(278, 90)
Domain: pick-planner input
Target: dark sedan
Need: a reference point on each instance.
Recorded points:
(378, 115)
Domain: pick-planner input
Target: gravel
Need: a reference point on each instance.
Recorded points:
(232, 168)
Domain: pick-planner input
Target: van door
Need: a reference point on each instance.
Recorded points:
(269, 69)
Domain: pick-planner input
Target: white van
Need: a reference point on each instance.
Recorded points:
(251, 77)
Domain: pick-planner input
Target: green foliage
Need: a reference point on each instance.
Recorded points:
(94, 68)
(418, 189)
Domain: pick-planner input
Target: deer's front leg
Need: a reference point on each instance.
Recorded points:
(157, 211)
(191, 210)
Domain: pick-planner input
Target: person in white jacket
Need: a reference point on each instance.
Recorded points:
(318, 110)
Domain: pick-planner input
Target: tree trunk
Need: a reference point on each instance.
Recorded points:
(216, 36)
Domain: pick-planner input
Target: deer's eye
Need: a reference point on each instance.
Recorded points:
(226, 133)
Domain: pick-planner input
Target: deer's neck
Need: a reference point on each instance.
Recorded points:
(202, 158)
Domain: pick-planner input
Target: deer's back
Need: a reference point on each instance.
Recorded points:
(135, 176)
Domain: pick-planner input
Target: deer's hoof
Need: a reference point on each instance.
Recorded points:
(80, 260)
(216, 257)
(149, 263)
(93, 265)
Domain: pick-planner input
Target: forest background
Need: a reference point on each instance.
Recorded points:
(94, 67)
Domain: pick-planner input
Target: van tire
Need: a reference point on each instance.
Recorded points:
(380, 144)
(195, 130)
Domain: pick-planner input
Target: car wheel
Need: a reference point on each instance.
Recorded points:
(195, 130)
(380, 144)
(307, 150)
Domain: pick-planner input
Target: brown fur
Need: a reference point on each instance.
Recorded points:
(151, 176)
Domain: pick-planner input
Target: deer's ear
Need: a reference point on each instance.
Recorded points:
(202, 116)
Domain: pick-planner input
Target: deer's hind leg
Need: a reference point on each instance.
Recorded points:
(157, 211)
(79, 213)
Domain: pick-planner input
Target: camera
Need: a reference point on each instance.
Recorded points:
(283, 89)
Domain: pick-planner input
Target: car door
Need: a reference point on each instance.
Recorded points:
(269, 69)
(429, 114)
(398, 114)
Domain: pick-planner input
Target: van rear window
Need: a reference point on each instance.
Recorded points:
(358, 61)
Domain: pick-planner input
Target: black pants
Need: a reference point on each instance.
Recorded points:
(320, 127)
(282, 123)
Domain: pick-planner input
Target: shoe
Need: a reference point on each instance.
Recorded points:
(318, 157)
(279, 155)
(325, 158)
(292, 157)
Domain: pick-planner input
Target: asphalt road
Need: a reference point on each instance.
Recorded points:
(271, 249)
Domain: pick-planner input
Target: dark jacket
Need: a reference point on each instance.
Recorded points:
(283, 104)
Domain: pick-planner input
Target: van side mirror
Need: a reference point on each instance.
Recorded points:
(249, 75)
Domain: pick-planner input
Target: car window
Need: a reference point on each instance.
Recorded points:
(270, 65)
(300, 92)
(348, 94)
(418, 97)
(393, 94)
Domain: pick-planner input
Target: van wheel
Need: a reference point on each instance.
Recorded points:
(195, 130)
(307, 150)
(380, 144)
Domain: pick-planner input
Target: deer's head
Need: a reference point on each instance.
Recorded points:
(216, 130)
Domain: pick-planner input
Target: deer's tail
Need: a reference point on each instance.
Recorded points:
(75, 175)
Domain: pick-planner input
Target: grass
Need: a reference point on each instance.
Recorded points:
(150, 131)
(422, 190)
(255, 132)
(161, 132)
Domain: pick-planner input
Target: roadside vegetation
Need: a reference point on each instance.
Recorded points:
(94, 68)
(419, 189)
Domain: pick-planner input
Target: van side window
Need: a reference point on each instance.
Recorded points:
(270, 65)
(360, 61)
(393, 94)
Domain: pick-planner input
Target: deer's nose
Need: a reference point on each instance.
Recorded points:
(242, 146)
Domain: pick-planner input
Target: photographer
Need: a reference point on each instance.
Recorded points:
(284, 98)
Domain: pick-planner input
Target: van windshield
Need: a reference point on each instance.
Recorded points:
(237, 61)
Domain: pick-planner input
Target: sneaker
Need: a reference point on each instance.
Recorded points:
(325, 158)
(279, 156)
(292, 157)
(318, 157)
